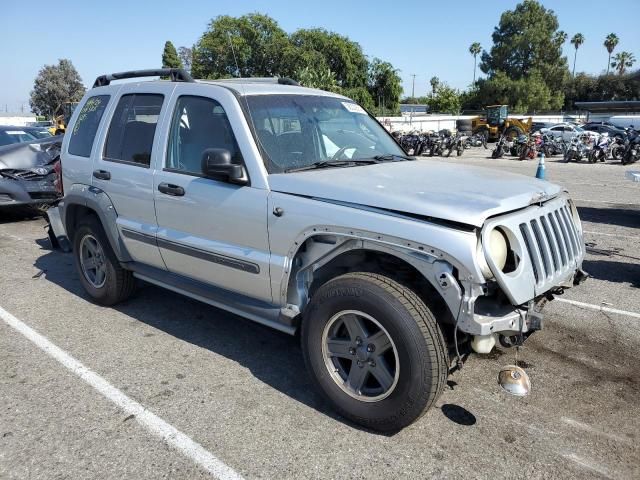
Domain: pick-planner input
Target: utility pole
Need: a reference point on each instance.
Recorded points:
(413, 96)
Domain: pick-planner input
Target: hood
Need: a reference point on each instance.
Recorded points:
(456, 193)
(22, 156)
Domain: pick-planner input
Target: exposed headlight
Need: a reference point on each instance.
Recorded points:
(498, 248)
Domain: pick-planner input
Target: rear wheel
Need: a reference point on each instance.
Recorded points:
(99, 270)
(374, 350)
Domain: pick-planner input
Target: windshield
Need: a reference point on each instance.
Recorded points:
(296, 131)
(17, 135)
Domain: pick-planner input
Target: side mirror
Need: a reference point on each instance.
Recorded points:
(216, 164)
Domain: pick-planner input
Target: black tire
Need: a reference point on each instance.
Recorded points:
(459, 151)
(496, 153)
(119, 283)
(513, 132)
(423, 360)
(524, 153)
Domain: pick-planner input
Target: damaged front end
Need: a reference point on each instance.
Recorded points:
(28, 174)
(542, 254)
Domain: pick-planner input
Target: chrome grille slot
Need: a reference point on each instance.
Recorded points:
(564, 253)
(551, 241)
(534, 255)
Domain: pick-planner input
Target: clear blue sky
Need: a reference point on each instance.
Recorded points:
(419, 37)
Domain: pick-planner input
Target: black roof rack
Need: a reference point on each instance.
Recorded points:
(175, 74)
(278, 80)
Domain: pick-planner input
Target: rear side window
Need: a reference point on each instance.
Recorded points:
(86, 126)
(132, 128)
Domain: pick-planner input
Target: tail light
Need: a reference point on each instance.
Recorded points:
(57, 183)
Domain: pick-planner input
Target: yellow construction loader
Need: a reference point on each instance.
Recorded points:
(497, 121)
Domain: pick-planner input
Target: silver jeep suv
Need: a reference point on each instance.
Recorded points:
(295, 208)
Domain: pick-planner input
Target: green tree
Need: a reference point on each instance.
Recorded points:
(528, 43)
(475, 49)
(318, 47)
(360, 95)
(54, 86)
(435, 81)
(577, 40)
(322, 78)
(170, 57)
(622, 61)
(185, 54)
(445, 100)
(385, 85)
(258, 42)
(610, 43)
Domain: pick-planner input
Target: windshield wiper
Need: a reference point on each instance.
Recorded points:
(391, 157)
(334, 163)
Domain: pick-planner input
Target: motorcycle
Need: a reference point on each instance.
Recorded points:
(476, 140)
(434, 144)
(456, 143)
(600, 150)
(632, 147)
(529, 149)
(578, 149)
(503, 146)
(552, 145)
(519, 144)
(616, 149)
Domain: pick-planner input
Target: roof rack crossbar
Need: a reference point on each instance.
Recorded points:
(278, 80)
(175, 74)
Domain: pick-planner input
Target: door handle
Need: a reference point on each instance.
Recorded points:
(102, 174)
(170, 189)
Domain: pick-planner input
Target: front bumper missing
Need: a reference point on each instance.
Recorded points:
(484, 316)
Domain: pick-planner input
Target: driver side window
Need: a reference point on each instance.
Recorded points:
(198, 124)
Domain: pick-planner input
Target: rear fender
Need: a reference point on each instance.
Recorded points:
(82, 199)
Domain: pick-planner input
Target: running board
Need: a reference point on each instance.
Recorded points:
(247, 307)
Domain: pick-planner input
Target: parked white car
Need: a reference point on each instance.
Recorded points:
(567, 131)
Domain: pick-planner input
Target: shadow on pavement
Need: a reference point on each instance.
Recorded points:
(17, 215)
(458, 414)
(612, 271)
(624, 217)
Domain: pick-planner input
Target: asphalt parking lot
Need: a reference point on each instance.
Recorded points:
(240, 391)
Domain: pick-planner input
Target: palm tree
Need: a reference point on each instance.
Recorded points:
(435, 82)
(576, 41)
(610, 44)
(474, 50)
(623, 60)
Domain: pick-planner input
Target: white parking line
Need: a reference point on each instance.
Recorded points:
(604, 201)
(598, 307)
(633, 237)
(172, 436)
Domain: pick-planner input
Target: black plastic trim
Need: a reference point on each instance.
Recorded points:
(175, 75)
(208, 256)
(192, 252)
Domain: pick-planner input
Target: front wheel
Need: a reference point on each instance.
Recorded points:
(374, 350)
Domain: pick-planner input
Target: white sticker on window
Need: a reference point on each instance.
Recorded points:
(354, 108)
(16, 132)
